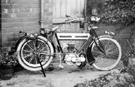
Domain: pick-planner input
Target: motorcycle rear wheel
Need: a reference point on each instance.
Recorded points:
(29, 50)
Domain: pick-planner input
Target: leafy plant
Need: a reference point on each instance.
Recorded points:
(8, 59)
(113, 79)
(116, 11)
(119, 11)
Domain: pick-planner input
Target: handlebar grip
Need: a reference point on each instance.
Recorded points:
(22, 32)
(68, 16)
(110, 33)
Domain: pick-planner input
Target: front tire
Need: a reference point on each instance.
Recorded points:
(29, 50)
(111, 57)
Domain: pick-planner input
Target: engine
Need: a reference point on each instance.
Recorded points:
(73, 58)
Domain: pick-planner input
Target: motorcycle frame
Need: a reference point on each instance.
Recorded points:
(67, 36)
(73, 36)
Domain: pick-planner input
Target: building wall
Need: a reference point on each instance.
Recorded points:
(22, 15)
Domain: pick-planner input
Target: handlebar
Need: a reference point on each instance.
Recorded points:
(93, 19)
(71, 19)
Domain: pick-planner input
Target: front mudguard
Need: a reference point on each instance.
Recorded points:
(89, 55)
(103, 36)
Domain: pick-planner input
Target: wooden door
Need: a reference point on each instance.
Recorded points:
(67, 7)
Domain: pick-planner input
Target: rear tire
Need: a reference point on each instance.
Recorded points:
(111, 57)
(28, 53)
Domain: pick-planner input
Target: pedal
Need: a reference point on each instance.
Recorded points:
(60, 66)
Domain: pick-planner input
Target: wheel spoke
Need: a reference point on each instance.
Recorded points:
(43, 52)
(29, 45)
(36, 61)
(30, 60)
(115, 52)
(27, 56)
(34, 44)
(113, 56)
(107, 45)
(27, 51)
(112, 51)
(41, 46)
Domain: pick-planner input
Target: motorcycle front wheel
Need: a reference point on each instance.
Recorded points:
(109, 57)
(30, 50)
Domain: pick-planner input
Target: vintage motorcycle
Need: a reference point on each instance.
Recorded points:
(103, 52)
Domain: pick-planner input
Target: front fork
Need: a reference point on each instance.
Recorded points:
(99, 45)
(96, 40)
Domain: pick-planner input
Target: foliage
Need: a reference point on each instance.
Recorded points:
(118, 11)
(8, 60)
(98, 4)
(113, 79)
(131, 70)
(127, 58)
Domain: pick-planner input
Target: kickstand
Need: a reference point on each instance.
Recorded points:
(41, 66)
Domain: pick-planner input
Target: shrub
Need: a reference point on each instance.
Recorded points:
(113, 79)
(115, 11)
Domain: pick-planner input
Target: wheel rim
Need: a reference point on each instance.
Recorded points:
(30, 52)
(112, 56)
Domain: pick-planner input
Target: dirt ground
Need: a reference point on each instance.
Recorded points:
(67, 77)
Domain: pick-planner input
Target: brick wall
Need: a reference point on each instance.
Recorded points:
(22, 15)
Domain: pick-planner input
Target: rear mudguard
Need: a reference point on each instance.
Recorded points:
(20, 39)
(89, 55)
(25, 37)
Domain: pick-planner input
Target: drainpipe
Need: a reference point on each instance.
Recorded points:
(1, 28)
(85, 15)
(41, 14)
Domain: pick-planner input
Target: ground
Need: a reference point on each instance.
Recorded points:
(67, 77)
